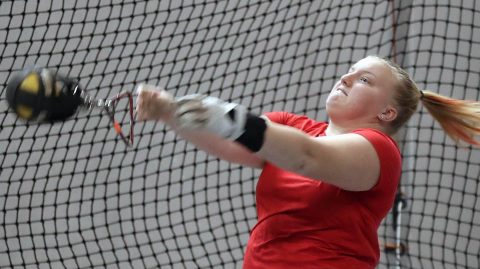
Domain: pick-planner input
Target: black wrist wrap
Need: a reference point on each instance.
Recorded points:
(254, 133)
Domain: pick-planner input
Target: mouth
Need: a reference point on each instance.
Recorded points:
(343, 91)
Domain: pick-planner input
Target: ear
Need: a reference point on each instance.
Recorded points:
(388, 115)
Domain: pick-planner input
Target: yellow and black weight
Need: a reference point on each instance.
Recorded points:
(37, 94)
(26, 93)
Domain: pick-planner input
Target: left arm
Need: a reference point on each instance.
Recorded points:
(348, 161)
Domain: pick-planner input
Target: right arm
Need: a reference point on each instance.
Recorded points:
(222, 148)
(154, 103)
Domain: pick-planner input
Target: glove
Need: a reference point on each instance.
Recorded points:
(154, 103)
(200, 112)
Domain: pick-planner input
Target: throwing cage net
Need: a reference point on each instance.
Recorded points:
(73, 195)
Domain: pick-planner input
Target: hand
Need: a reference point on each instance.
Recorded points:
(199, 112)
(154, 103)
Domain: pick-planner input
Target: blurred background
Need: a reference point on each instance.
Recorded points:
(72, 195)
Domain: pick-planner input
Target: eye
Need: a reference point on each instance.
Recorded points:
(364, 79)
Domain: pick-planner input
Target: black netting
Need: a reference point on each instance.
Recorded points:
(72, 195)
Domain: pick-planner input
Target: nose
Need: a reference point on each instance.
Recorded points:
(345, 80)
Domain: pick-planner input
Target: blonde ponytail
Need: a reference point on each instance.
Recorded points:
(460, 119)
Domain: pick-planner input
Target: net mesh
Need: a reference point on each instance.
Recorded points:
(72, 195)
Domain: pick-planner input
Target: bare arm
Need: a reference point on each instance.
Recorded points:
(154, 103)
(348, 161)
(224, 149)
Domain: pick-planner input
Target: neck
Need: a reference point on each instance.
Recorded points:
(336, 129)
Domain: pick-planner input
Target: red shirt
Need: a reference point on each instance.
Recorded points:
(306, 223)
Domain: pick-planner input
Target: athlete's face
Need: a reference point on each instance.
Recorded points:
(363, 94)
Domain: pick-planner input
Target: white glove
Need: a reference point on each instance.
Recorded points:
(200, 112)
(154, 103)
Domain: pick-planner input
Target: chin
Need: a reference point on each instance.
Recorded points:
(332, 104)
(331, 112)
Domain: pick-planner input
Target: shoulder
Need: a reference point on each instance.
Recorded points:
(388, 154)
(301, 122)
(283, 117)
(380, 141)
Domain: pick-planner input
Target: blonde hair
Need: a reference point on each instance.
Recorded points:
(460, 119)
